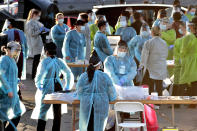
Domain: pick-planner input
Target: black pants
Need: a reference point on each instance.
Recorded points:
(15, 121)
(91, 121)
(153, 84)
(56, 120)
(36, 61)
(192, 91)
(56, 112)
(180, 90)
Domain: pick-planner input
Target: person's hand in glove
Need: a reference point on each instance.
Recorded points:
(42, 29)
(122, 81)
(46, 29)
(171, 47)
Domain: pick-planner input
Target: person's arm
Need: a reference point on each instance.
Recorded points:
(68, 75)
(107, 48)
(24, 42)
(41, 70)
(3, 80)
(132, 44)
(56, 35)
(132, 72)
(110, 89)
(109, 69)
(66, 45)
(80, 85)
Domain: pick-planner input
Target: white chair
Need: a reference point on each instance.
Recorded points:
(128, 107)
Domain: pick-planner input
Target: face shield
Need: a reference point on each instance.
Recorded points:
(123, 21)
(108, 31)
(15, 53)
(145, 31)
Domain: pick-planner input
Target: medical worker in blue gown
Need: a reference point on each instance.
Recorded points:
(18, 35)
(138, 41)
(10, 105)
(126, 33)
(48, 81)
(95, 90)
(121, 67)
(74, 47)
(58, 33)
(101, 43)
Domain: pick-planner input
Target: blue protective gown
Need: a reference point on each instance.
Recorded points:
(122, 71)
(44, 81)
(102, 45)
(23, 42)
(126, 33)
(74, 46)
(58, 33)
(156, 23)
(137, 44)
(11, 107)
(98, 94)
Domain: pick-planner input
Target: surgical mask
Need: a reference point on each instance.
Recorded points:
(60, 21)
(38, 18)
(145, 33)
(180, 31)
(192, 13)
(163, 27)
(121, 54)
(82, 28)
(123, 23)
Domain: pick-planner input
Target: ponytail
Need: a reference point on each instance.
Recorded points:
(90, 71)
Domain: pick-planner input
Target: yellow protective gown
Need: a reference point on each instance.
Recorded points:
(170, 37)
(188, 59)
(177, 60)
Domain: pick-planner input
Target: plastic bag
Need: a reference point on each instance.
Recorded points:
(151, 118)
(130, 92)
(111, 120)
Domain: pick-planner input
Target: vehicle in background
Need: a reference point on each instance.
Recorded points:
(112, 12)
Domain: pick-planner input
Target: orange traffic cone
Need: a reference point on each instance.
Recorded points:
(69, 22)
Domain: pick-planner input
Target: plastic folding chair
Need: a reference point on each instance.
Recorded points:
(128, 107)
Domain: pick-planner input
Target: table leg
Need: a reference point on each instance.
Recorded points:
(173, 116)
(73, 117)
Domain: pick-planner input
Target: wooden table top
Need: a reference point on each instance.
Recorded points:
(159, 101)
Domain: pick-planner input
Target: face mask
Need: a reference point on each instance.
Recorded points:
(163, 27)
(121, 54)
(60, 21)
(192, 13)
(145, 33)
(180, 31)
(82, 28)
(38, 18)
(123, 23)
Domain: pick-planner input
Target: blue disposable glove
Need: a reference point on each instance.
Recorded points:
(122, 81)
(171, 47)
(42, 29)
(46, 29)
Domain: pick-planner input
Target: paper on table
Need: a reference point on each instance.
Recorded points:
(82, 62)
(67, 97)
